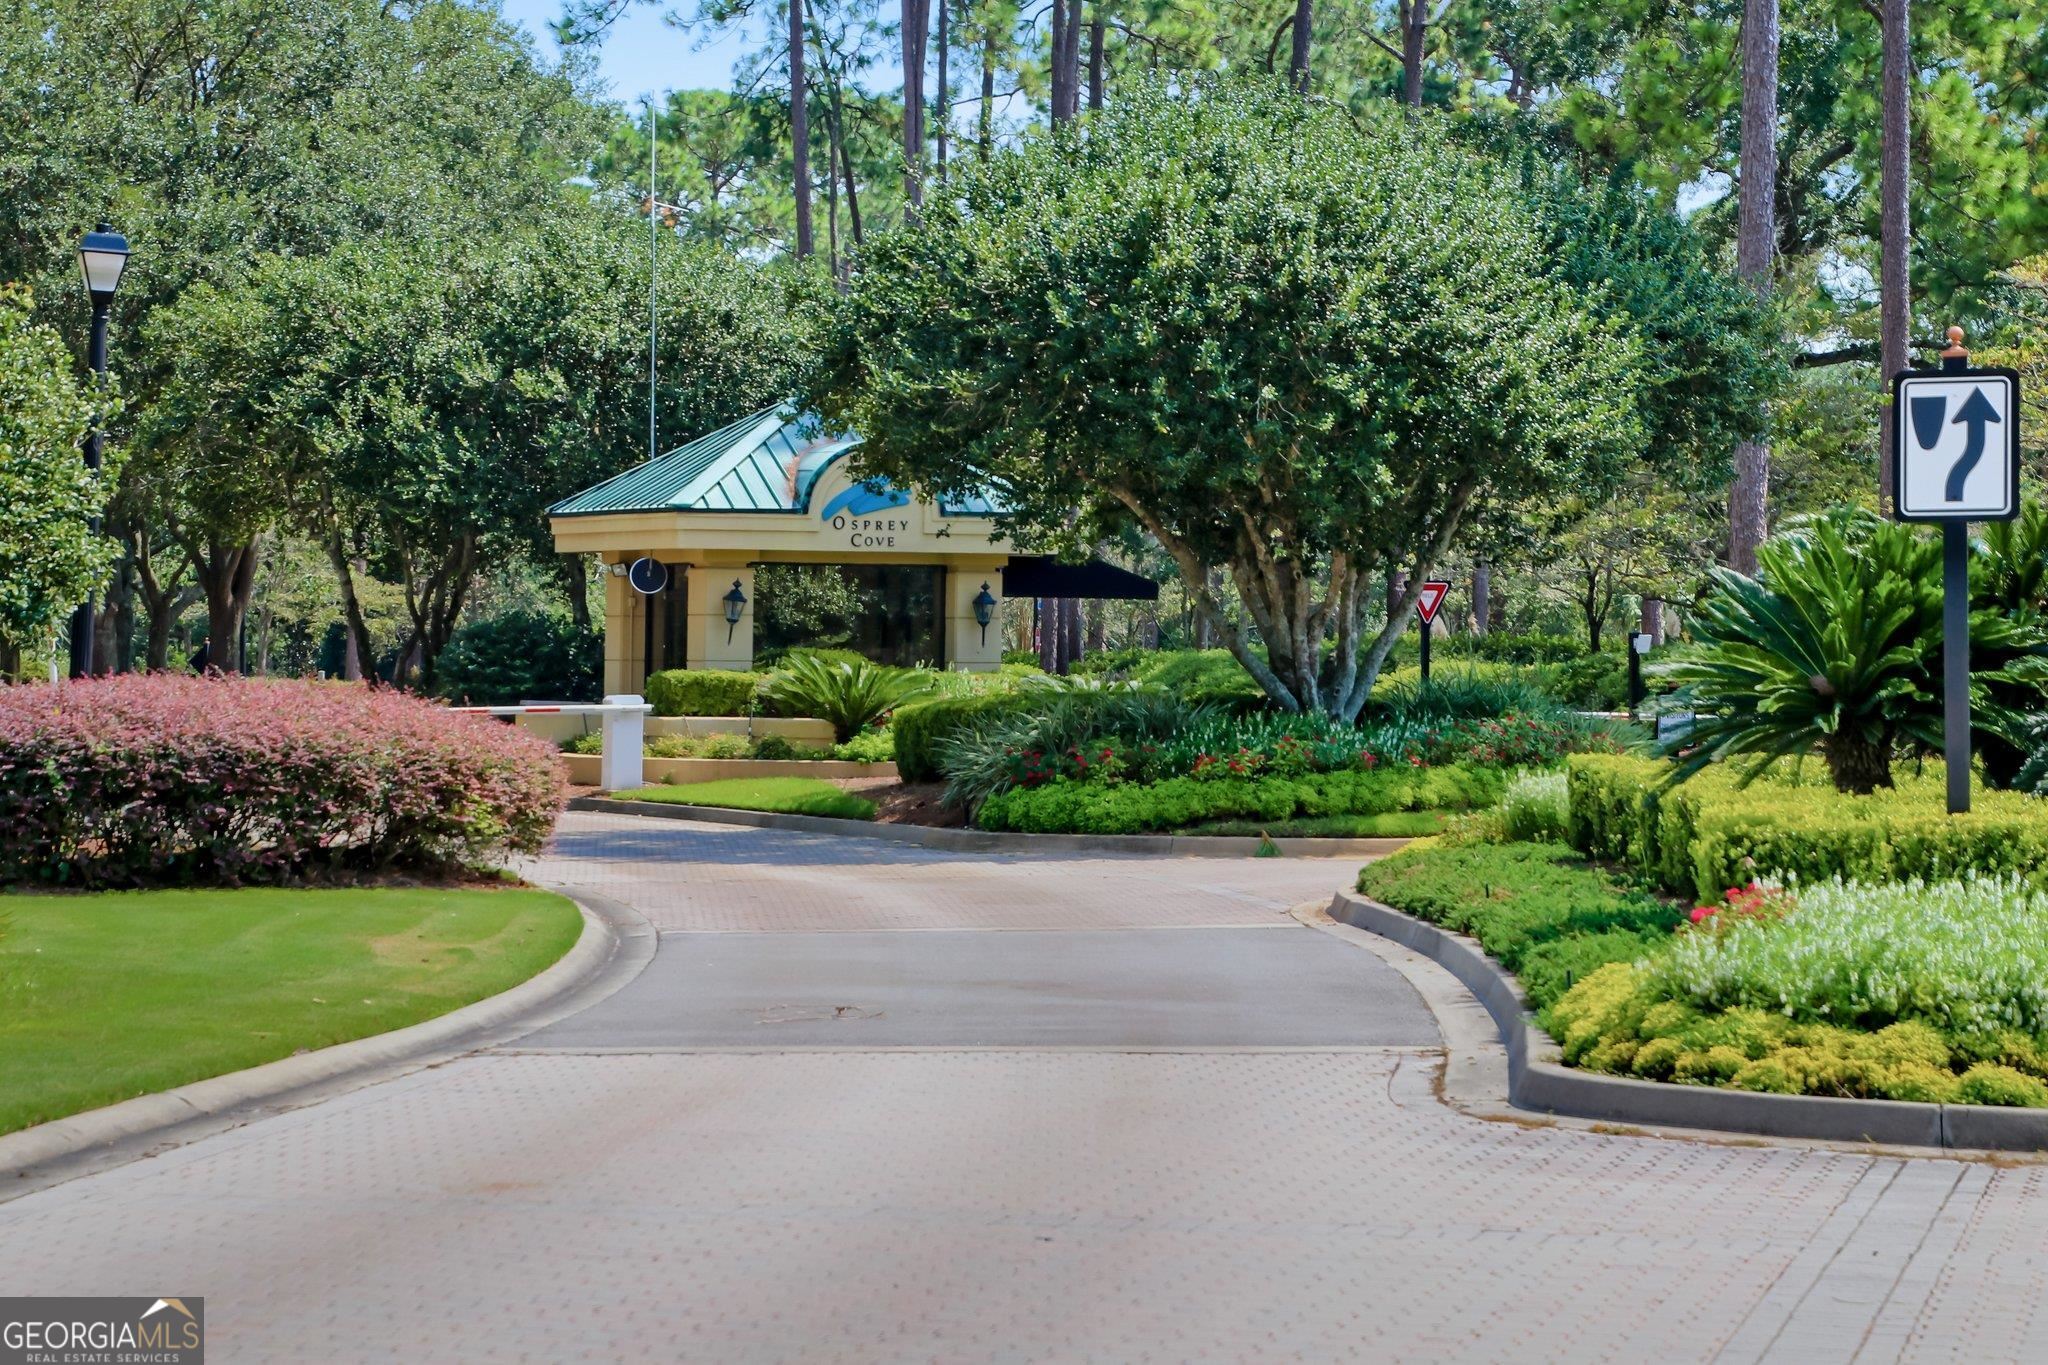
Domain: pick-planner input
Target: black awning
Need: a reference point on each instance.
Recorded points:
(1044, 576)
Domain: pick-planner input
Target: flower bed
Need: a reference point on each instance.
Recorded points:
(136, 780)
(1911, 991)
(1936, 992)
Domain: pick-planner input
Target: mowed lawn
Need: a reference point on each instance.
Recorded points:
(117, 994)
(781, 795)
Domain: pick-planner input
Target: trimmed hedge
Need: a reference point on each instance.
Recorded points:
(1094, 807)
(703, 692)
(922, 726)
(165, 779)
(1708, 834)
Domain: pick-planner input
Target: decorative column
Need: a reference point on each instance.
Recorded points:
(710, 639)
(625, 634)
(969, 647)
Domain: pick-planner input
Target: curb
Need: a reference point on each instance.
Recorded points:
(107, 1132)
(989, 841)
(1539, 1083)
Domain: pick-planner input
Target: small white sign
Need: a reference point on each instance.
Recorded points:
(1956, 447)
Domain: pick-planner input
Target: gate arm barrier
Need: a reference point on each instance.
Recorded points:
(624, 719)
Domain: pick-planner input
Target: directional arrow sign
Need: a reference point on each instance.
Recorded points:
(1431, 598)
(1956, 449)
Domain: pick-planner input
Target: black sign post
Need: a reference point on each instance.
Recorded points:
(1955, 458)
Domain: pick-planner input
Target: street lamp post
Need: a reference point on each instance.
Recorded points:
(102, 256)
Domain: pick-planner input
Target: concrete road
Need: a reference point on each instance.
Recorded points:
(879, 1104)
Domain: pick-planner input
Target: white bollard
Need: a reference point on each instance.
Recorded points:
(618, 767)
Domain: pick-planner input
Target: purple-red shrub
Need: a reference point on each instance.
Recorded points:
(136, 780)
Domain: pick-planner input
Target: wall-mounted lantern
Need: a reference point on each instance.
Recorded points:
(984, 610)
(735, 607)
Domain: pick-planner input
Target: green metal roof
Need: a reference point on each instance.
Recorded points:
(768, 462)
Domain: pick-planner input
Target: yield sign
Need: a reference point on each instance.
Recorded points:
(1431, 598)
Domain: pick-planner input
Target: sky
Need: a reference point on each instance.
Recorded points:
(640, 53)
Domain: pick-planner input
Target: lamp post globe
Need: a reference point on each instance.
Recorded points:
(102, 256)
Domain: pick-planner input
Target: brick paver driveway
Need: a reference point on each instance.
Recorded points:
(872, 1103)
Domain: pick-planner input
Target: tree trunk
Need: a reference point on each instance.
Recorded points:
(359, 660)
(1095, 630)
(985, 127)
(1414, 28)
(1895, 225)
(945, 100)
(1070, 633)
(1482, 595)
(846, 165)
(832, 207)
(576, 577)
(1304, 28)
(1097, 36)
(1589, 608)
(433, 601)
(1754, 243)
(1066, 60)
(1653, 620)
(115, 620)
(916, 31)
(1857, 765)
(227, 575)
(800, 132)
(164, 611)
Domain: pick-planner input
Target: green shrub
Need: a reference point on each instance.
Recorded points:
(1610, 806)
(1534, 907)
(1123, 662)
(520, 656)
(1711, 832)
(1202, 675)
(852, 696)
(869, 746)
(1596, 682)
(1499, 647)
(703, 692)
(1616, 1021)
(1465, 692)
(920, 727)
(1533, 808)
(1069, 807)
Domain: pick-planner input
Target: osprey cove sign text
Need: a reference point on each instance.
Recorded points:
(860, 514)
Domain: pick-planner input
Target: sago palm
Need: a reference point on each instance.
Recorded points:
(850, 695)
(1835, 645)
